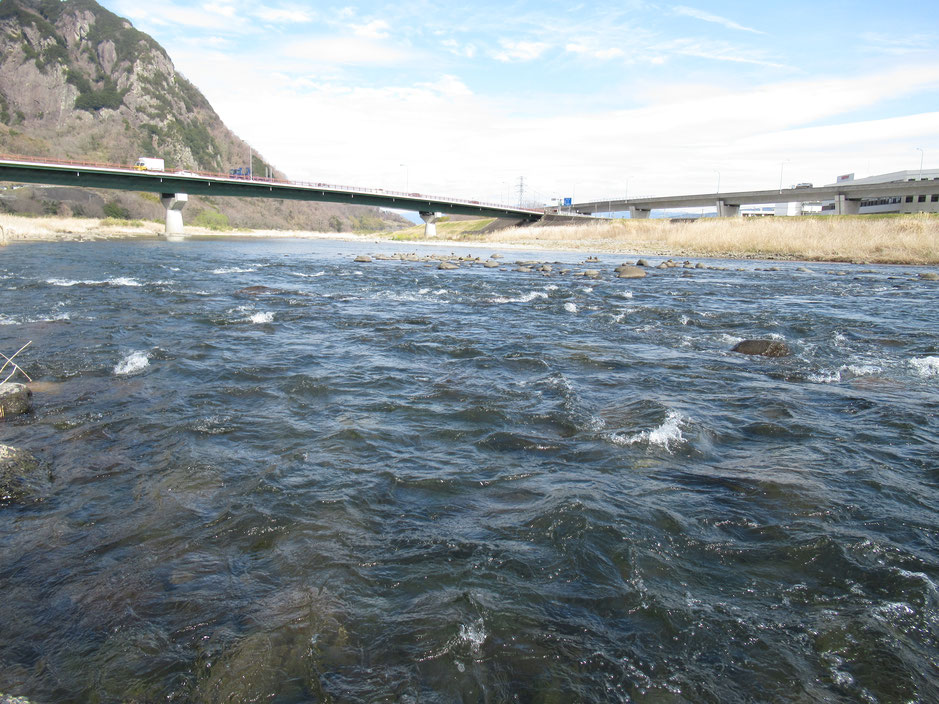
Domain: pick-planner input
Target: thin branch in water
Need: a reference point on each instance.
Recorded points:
(16, 367)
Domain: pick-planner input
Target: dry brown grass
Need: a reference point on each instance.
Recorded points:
(18, 228)
(906, 239)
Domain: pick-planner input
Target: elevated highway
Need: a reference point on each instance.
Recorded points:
(847, 198)
(174, 188)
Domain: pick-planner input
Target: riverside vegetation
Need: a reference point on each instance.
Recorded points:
(896, 239)
(902, 239)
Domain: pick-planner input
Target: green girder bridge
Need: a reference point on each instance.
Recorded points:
(175, 187)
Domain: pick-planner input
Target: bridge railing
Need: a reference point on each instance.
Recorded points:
(261, 179)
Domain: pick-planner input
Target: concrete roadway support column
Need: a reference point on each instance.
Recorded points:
(174, 204)
(638, 213)
(726, 210)
(843, 206)
(430, 227)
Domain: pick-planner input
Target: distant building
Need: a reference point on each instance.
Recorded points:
(885, 204)
(894, 204)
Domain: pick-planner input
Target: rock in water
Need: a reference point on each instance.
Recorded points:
(6, 698)
(363, 259)
(929, 276)
(260, 291)
(21, 477)
(14, 400)
(630, 272)
(448, 265)
(764, 348)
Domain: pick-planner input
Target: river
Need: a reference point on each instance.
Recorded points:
(383, 482)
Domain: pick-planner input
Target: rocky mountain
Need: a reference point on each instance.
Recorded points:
(78, 82)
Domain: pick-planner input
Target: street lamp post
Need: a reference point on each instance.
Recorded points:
(781, 166)
(921, 154)
(718, 181)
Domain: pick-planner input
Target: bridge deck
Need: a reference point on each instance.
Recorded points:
(61, 173)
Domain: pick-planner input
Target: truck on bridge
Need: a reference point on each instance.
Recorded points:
(149, 163)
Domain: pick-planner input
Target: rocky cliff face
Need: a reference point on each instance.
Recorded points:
(79, 82)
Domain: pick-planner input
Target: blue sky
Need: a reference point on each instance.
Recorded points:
(591, 100)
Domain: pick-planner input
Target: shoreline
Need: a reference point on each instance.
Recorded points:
(911, 240)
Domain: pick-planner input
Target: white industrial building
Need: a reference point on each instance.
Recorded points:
(884, 204)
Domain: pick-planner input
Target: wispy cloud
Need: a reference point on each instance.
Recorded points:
(716, 19)
(283, 15)
(519, 51)
(467, 51)
(348, 51)
(376, 29)
(595, 52)
(899, 45)
(719, 51)
(225, 9)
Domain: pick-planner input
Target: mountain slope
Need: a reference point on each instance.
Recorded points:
(79, 82)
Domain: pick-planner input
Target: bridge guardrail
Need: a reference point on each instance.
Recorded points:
(257, 179)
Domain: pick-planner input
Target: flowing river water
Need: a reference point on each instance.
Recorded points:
(384, 482)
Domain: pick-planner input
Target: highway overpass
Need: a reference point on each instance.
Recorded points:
(174, 188)
(846, 196)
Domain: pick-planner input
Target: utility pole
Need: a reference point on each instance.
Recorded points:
(521, 190)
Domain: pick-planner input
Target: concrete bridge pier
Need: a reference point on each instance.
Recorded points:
(174, 204)
(846, 206)
(638, 213)
(727, 210)
(430, 224)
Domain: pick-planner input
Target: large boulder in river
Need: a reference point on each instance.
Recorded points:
(763, 348)
(625, 271)
(21, 476)
(14, 400)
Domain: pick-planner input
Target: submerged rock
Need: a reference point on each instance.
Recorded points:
(14, 400)
(763, 348)
(929, 276)
(6, 698)
(260, 291)
(447, 265)
(21, 476)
